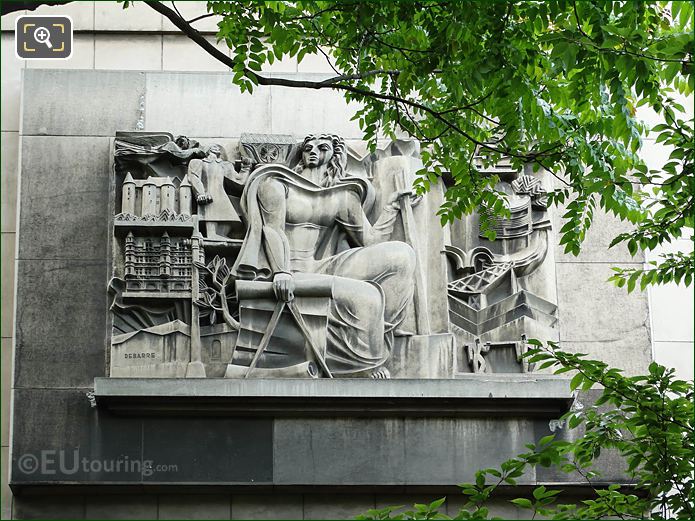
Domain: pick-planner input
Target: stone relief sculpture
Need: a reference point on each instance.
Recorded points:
(309, 229)
(207, 177)
(301, 258)
(502, 292)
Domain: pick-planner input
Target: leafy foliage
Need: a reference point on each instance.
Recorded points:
(215, 291)
(647, 419)
(419, 511)
(555, 84)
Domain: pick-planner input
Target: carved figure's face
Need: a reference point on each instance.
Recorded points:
(317, 152)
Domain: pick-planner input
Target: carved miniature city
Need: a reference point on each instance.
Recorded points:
(301, 258)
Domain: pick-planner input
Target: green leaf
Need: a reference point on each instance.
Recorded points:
(546, 439)
(435, 505)
(522, 502)
(539, 492)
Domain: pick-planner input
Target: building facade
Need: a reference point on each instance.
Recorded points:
(78, 378)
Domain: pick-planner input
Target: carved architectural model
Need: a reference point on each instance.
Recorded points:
(299, 258)
(502, 292)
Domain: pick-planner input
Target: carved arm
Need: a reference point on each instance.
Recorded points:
(272, 203)
(360, 231)
(195, 174)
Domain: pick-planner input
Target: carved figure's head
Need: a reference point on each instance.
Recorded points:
(186, 143)
(326, 153)
(218, 151)
(183, 142)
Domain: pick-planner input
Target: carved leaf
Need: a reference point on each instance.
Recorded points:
(222, 273)
(211, 265)
(210, 297)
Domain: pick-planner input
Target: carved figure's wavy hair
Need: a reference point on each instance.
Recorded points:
(336, 166)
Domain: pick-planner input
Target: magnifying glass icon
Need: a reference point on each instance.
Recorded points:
(42, 35)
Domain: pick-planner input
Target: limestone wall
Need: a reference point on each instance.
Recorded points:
(72, 120)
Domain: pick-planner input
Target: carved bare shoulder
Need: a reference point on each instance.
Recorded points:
(195, 166)
(271, 194)
(352, 209)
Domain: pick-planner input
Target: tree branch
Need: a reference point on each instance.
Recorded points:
(173, 4)
(192, 20)
(333, 83)
(328, 59)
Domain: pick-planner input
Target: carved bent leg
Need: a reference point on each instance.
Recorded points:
(391, 265)
(371, 288)
(355, 327)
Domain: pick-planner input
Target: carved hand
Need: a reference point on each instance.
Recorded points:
(283, 286)
(394, 201)
(204, 199)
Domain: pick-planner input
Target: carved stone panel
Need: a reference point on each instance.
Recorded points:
(284, 258)
(502, 292)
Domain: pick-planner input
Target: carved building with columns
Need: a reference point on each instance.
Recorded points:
(228, 308)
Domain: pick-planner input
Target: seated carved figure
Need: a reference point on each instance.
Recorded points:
(311, 225)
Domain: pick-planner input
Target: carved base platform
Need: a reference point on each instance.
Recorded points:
(474, 394)
(422, 356)
(303, 370)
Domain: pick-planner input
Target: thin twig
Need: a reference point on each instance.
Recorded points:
(208, 15)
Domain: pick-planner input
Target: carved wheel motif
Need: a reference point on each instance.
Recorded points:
(269, 153)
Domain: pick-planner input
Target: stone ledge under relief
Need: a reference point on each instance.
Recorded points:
(470, 395)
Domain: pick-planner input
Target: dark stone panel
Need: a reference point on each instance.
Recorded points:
(59, 438)
(61, 323)
(267, 506)
(99, 506)
(209, 450)
(428, 460)
(64, 200)
(48, 507)
(339, 451)
(441, 451)
(81, 103)
(195, 507)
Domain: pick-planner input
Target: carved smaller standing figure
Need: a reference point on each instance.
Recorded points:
(207, 177)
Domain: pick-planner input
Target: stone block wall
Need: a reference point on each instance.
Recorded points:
(333, 505)
(150, 77)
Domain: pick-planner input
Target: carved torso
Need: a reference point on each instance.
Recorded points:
(313, 220)
(213, 176)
